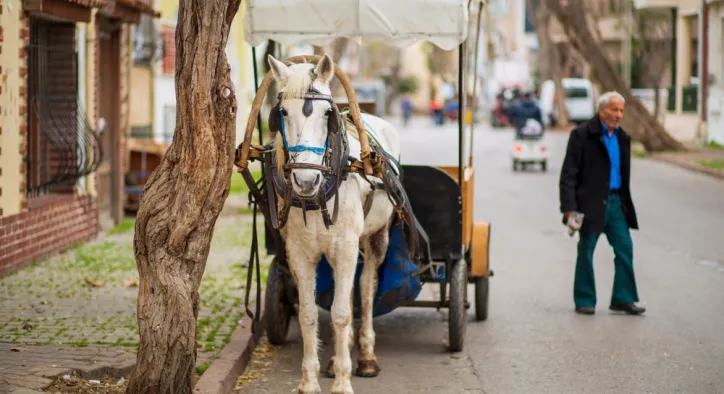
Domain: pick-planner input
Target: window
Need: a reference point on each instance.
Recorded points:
(576, 92)
(52, 95)
(61, 147)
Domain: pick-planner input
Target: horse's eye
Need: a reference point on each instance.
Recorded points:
(327, 113)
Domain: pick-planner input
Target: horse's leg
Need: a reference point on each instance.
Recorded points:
(305, 275)
(345, 262)
(375, 247)
(330, 365)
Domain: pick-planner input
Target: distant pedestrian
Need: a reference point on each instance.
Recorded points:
(406, 106)
(595, 181)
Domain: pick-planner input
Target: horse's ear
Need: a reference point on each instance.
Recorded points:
(280, 71)
(325, 69)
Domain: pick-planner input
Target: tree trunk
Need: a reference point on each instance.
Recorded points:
(638, 121)
(657, 101)
(552, 60)
(339, 45)
(563, 119)
(394, 82)
(182, 200)
(272, 93)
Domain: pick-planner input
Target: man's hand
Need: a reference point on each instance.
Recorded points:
(567, 214)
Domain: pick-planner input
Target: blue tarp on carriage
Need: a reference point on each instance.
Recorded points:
(398, 279)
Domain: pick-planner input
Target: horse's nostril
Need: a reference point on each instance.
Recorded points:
(318, 178)
(294, 176)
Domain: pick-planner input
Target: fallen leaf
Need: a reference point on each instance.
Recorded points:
(130, 283)
(96, 283)
(17, 349)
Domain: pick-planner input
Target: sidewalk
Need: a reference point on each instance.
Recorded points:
(707, 160)
(75, 314)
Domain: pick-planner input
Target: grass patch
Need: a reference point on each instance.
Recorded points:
(238, 186)
(715, 145)
(126, 226)
(203, 367)
(638, 154)
(103, 258)
(717, 164)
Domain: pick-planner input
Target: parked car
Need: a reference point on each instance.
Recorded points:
(580, 100)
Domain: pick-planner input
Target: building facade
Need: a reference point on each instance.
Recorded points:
(714, 93)
(63, 122)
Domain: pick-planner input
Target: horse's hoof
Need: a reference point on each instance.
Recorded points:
(307, 391)
(330, 369)
(367, 368)
(344, 389)
(309, 388)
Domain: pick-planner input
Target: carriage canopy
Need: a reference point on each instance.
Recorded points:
(318, 22)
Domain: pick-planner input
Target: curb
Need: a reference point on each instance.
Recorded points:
(686, 164)
(221, 376)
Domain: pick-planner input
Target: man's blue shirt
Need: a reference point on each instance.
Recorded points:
(614, 154)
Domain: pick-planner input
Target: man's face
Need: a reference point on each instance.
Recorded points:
(612, 114)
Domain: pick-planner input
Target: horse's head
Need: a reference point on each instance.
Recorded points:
(303, 118)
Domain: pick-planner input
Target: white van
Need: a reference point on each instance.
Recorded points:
(580, 100)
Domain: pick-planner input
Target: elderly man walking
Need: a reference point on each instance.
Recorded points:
(595, 181)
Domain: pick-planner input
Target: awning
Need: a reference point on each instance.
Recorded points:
(318, 22)
(128, 10)
(72, 10)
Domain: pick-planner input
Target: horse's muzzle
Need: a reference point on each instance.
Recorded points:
(307, 185)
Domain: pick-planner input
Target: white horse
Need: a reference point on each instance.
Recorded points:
(306, 240)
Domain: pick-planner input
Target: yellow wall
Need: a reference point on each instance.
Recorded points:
(688, 6)
(11, 159)
(141, 99)
(168, 9)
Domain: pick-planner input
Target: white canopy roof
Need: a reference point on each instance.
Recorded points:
(317, 22)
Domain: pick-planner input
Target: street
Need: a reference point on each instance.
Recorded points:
(533, 342)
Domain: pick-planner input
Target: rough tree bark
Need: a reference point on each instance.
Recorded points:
(182, 200)
(655, 36)
(552, 59)
(638, 122)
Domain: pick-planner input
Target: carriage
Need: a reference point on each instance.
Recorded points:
(436, 239)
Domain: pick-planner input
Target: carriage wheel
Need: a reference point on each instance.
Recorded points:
(481, 298)
(458, 317)
(278, 308)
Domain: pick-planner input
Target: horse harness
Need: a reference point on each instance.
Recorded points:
(336, 165)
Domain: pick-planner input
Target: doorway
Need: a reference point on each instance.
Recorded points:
(110, 179)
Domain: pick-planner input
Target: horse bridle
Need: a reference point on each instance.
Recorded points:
(335, 153)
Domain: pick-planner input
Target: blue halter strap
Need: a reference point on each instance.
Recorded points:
(301, 148)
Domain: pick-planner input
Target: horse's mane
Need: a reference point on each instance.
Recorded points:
(299, 81)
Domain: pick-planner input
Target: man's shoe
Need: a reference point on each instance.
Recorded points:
(631, 309)
(585, 310)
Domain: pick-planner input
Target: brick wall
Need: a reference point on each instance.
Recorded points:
(54, 226)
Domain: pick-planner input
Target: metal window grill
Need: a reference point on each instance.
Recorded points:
(62, 146)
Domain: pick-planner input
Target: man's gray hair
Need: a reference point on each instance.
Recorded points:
(605, 98)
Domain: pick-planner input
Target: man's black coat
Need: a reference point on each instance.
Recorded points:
(585, 176)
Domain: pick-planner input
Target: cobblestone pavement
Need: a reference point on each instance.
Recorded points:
(77, 311)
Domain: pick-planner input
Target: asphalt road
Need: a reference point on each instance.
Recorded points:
(533, 342)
